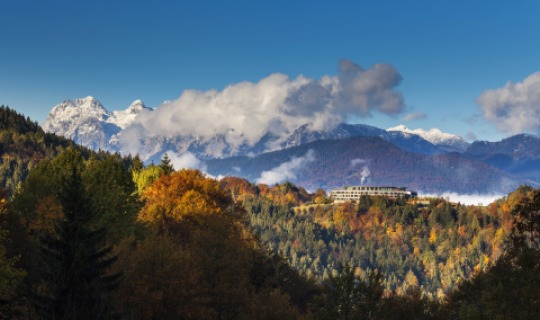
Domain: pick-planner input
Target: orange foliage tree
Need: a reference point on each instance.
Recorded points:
(183, 195)
(201, 232)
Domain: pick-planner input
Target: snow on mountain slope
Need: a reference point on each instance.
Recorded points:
(88, 123)
(446, 141)
(405, 141)
(126, 117)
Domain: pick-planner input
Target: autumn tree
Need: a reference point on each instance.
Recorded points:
(526, 232)
(144, 177)
(185, 195)
(344, 213)
(508, 289)
(320, 196)
(201, 261)
(238, 187)
(192, 214)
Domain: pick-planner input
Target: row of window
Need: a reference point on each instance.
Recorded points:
(354, 193)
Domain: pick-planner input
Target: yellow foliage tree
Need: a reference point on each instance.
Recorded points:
(185, 194)
(433, 235)
(410, 279)
(344, 213)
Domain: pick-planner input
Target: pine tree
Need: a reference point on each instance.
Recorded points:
(11, 275)
(166, 165)
(346, 296)
(76, 284)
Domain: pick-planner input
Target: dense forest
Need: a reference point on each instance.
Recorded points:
(93, 235)
(431, 244)
(22, 145)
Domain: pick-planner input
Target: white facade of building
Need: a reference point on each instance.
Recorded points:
(354, 193)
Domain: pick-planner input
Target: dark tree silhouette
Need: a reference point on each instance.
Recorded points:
(76, 283)
(166, 165)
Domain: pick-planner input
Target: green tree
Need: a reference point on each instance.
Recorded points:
(112, 190)
(364, 203)
(76, 284)
(410, 305)
(10, 279)
(346, 296)
(166, 165)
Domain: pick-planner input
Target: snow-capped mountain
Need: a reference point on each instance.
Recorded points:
(221, 146)
(334, 166)
(126, 117)
(89, 123)
(445, 141)
(409, 142)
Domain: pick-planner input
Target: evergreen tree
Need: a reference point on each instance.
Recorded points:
(76, 284)
(11, 275)
(346, 296)
(364, 204)
(112, 190)
(166, 165)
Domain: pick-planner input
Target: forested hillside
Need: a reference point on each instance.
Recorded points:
(519, 155)
(434, 245)
(99, 236)
(22, 145)
(335, 163)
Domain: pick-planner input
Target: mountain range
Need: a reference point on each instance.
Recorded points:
(88, 123)
(431, 161)
(329, 164)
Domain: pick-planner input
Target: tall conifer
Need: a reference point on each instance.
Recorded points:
(76, 283)
(166, 165)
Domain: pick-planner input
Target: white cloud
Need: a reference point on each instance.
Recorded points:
(286, 170)
(187, 160)
(276, 104)
(514, 108)
(414, 116)
(467, 199)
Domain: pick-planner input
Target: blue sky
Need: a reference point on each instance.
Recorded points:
(447, 52)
